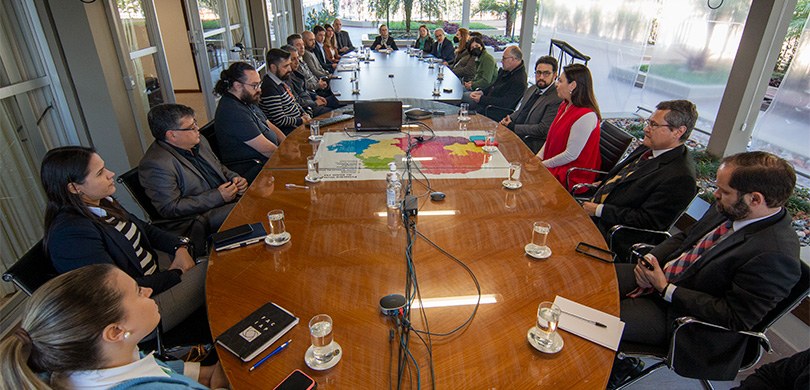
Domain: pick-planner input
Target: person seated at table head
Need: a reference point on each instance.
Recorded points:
(243, 132)
(182, 176)
(486, 70)
(277, 101)
(442, 47)
(330, 44)
(309, 57)
(538, 107)
(320, 51)
(573, 138)
(652, 186)
(84, 225)
(344, 41)
(423, 42)
(731, 268)
(463, 64)
(505, 91)
(308, 99)
(81, 330)
(384, 41)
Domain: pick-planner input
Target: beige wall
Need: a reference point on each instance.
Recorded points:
(175, 42)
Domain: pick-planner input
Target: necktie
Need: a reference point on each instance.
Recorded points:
(675, 269)
(603, 191)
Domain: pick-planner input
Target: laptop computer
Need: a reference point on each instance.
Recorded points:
(378, 116)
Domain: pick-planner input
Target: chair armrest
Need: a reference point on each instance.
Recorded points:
(570, 170)
(580, 186)
(616, 228)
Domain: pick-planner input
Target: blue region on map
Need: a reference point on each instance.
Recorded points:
(356, 146)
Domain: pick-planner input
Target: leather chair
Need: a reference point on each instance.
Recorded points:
(613, 143)
(131, 181)
(712, 361)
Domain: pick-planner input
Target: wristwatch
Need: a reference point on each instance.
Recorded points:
(182, 242)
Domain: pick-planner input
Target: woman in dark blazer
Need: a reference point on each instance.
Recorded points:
(85, 225)
(384, 41)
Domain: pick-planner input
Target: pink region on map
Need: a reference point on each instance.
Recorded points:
(448, 155)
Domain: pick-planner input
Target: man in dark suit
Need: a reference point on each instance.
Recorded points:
(319, 51)
(538, 107)
(442, 47)
(180, 173)
(344, 42)
(731, 268)
(506, 90)
(654, 184)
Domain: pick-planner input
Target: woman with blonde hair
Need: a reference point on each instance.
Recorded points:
(330, 44)
(464, 64)
(81, 331)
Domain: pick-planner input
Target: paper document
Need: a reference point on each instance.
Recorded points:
(607, 336)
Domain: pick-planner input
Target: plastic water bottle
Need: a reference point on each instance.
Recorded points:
(393, 191)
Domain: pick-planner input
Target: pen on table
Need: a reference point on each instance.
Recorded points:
(599, 324)
(271, 354)
(291, 185)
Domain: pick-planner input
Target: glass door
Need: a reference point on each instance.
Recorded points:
(279, 18)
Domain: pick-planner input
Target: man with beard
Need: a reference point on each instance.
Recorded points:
(652, 186)
(486, 69)
(277, 100)
(309, 57)
(538, 107)
(344, 42)
(312, 82)
(242, 130)
(505, 91)
(309, 100)
(730, 269)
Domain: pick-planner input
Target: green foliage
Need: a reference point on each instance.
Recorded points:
(706, 165)
(636, 129)
(679, 72)
(400, 26)
(321, 17)
(799, 202)
(210, 24)
(508, 9)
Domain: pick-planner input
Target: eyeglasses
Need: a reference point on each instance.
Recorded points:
(256, 86)
(653, 125)
(193, 127)
(544, 73)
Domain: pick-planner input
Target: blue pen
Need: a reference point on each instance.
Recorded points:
(271, 354)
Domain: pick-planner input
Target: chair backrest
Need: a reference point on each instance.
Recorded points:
(209, 131)
(794, 298)
(130, 180)
(566, 53)
(32, 270)
(613, 143)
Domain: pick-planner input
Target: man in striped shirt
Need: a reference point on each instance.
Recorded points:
(277, 100)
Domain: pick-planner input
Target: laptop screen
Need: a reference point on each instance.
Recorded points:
(378, 116)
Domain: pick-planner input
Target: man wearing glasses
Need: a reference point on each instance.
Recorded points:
(181, 174)
(538, 107)
(506, 91)
(654, 184)
(443, 48)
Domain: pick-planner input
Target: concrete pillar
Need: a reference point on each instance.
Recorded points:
(465, 13)
(527, 29)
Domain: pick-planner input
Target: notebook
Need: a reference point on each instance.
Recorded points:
(608, 337)
(257, 331)
(245, 235)
(378, 116)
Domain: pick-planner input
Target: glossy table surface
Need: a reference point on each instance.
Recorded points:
(346, 252)
(412, 78)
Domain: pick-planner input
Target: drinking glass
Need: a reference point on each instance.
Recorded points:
(313, 170)
(441, 72)
(437, 85)
(514, 172)
(463, 112)
(315, 130)
(354, 75)
(278, 234)
(548, 314)
(323, 343)
(538, 247)
(489, 142)
(355, 87)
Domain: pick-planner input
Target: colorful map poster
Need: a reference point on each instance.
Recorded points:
(448, 155)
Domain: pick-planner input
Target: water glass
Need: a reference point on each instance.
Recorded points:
(441, 72)
(548, 315)
(313, 169)
(464, 112)
(278, 232)
(514, 173)
(355, 87)
(437, 85)
(322, 338)
(354, 75)
(489, 142)
(315, 130)
(538, 247)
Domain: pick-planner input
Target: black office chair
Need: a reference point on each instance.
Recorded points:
(497, 113)
(246, 168)
(712, 361)
(32, 270)
(613, 142)
(133, 185)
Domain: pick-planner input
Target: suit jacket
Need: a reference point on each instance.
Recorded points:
(653, 197)
(321, 56)
(175, 186)
(390, 42)
(428, 44)
(314, 65)
(738, 281)
(505, 91)
(534, 129)
(444, 50)
(75, 241)
(343, 40)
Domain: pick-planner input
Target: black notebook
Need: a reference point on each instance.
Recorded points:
(238, 237)
(258, 331)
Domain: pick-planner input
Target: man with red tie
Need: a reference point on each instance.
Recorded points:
(730, 269)
(277, 100)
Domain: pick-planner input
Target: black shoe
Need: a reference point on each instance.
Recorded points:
(624, 370)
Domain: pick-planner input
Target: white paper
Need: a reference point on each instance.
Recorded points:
(608, 337)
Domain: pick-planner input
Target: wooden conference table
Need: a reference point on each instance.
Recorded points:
(346, 253)
(412, 78)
